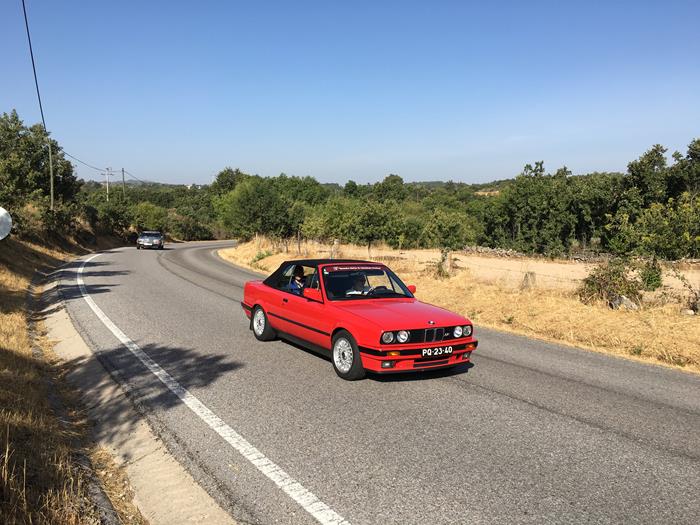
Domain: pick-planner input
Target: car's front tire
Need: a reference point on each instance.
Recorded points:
(260, 325)
(346, 357)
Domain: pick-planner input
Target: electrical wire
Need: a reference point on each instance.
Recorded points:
(83, 162)
(31, 53)
(136, 178)
(41, 106)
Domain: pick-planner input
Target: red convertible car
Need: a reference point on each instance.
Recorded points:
(358, 312)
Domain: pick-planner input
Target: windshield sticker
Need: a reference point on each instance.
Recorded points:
(350, 268)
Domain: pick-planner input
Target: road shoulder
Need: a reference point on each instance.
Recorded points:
(165, 492)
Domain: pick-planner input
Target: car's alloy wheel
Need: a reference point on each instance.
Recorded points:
(261, 328)
(346, 357)
(342, 355)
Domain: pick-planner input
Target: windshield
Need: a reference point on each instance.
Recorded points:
(346, 282)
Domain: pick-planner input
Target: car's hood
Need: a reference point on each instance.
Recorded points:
(397, 314)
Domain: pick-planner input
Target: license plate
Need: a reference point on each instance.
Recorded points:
(440, 350)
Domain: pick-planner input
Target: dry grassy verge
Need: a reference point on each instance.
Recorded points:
(658, 334)
(42, 479)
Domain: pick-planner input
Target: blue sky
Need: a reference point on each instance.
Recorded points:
(469, 91)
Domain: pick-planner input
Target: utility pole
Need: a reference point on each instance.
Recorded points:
(107, 175)
(48, 140)
(123, 185)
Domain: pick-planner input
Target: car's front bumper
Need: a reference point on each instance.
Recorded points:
(410, 359)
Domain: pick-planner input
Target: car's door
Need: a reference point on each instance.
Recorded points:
(287, 309)
(307, 316)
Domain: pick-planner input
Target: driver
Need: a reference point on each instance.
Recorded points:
(296, 285)
(359, 286)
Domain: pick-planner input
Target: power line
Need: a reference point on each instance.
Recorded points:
(31, 53)
(38, 96)
(83, 162)
(104, 171)
(136, 178)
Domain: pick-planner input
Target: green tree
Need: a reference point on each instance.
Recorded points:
(227, 180)
(254, 207)
(449, 230)
(671, 230)
(24, 164)
(350, 188)
(368, 223)
(649, 175)
(534, 213)
(148, 216)
(391, 188)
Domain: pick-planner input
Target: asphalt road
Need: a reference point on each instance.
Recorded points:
(531, 433)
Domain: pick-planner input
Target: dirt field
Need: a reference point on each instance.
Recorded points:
(489, 291)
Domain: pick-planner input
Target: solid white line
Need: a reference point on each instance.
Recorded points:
(295, 490)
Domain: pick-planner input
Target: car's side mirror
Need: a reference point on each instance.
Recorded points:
(313, 293)
(412, 288)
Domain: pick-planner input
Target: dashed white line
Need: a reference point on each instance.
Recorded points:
(295, 490)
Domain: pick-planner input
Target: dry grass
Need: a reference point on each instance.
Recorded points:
(42, 479)
(657, 333)
(117, 487)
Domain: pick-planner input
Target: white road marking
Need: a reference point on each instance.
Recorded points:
(295, 490)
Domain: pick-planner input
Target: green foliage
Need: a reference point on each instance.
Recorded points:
(227, 180)
(449, 230)
(534, 214)
(24, 164)
(649, 175)
(651, 211)
(254, 207)
(187, 227)
(670, 231)
(260, 256)
(113, 217)
(148, 216)
(608, 281)
(651, 275)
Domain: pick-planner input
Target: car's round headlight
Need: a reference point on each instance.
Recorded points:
(387, 337)
(402, 336)
(468, 330)
(458, 331)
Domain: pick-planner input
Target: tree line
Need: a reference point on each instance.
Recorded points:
(652, 209)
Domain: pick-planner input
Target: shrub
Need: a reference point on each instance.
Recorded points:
(693, 297)
(651, 275)
(260, 256)
(186, 227)
(608, 281)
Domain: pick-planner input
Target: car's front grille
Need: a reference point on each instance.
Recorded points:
(434, 334)
(431, 335)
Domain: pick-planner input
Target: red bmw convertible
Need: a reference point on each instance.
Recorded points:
(360, 313)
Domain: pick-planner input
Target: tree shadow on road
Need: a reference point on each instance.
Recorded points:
(113, 408)
(66, 285)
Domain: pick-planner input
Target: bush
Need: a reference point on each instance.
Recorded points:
(651, 275)
(608, 281)
(113, 218)
(187, 228)
(260, 256)
(148, 216)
